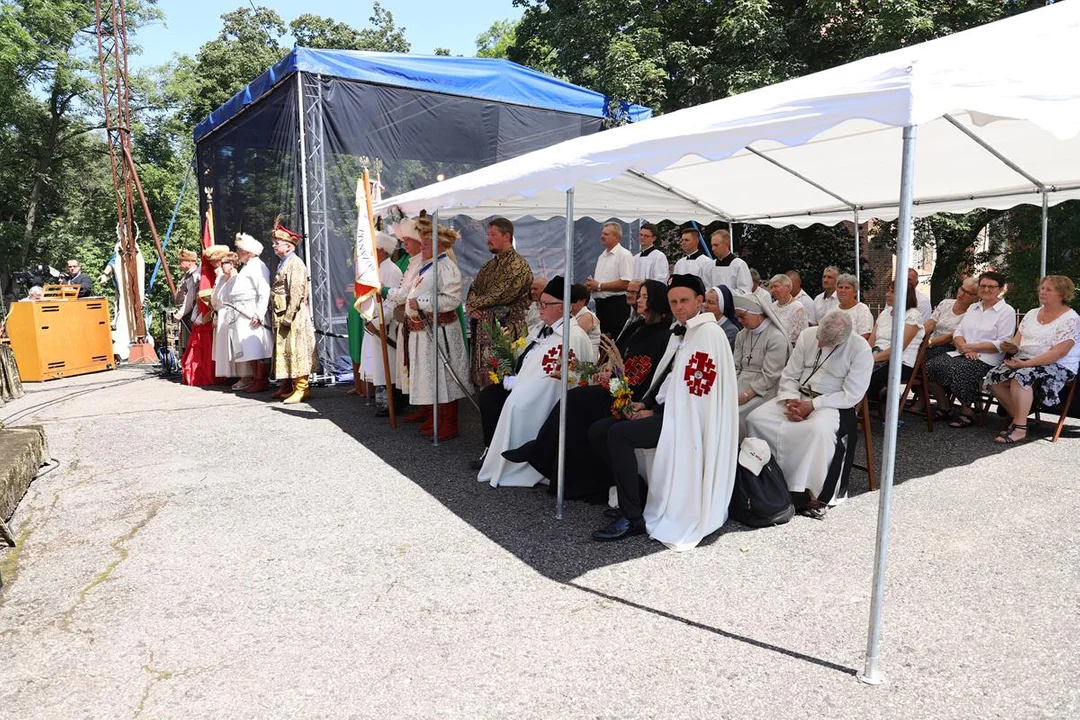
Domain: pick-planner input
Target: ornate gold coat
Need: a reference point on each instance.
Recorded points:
(294, 333)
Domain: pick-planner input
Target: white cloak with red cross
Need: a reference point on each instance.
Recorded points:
(693, 472)
(534, 393)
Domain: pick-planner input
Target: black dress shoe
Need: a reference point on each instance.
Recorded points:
(478, 462)
(521, 454)
(619, 529)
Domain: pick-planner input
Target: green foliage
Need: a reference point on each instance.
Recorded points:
(318, 32)
(496, 41)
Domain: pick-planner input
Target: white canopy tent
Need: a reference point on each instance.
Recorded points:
(996, 114)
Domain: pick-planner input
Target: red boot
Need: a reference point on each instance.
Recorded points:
(448, 422)
(428, 426)
(284, 390)
(423, 412)
(261, 383)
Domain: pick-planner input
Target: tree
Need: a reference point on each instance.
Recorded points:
(496, 41)
(318, 32)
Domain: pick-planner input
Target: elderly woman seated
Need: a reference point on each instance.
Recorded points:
(790, 312)
(1044, 354)
(978, 340)
(882, 340)
(586, 318)
(947, 316)
(847, 294)
(762, 350)
(720, 302)
(586, 476)
(827, 376)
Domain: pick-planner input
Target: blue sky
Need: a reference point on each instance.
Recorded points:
(428, 23)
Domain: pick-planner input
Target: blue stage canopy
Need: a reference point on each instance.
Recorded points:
(482, 78)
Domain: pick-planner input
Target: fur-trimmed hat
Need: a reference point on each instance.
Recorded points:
(448, 236)
(385, 242)
(406, 229)
(280, 232)
(190, 255)
(214, 252)
(248, 244)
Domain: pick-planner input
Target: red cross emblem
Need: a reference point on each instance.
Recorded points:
(700, 374)
(551, 363)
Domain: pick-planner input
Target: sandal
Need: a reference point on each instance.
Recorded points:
(963, 421)
(1007, 431)
(1009, 439)
(942, 414)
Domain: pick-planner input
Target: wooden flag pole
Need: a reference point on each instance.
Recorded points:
(378, 301)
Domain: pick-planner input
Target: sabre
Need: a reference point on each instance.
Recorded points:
(446, 361)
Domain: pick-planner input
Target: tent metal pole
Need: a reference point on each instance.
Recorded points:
(568, 279)
(800, 176)
(435, 327)
(303, 155)
(871, 674)
(679, 193)
(858, 258)
(993, 151)
(731, 234)
(1045, 216)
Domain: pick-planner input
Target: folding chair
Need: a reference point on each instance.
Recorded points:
(1064, 407)
(919, 382)
(868, 441)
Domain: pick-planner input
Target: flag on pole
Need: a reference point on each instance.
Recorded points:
(367, 284)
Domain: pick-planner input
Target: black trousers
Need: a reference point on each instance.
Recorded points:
(612, 313)
(615, 442)
(491, 400)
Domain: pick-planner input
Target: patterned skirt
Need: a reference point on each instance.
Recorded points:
(961, 375)
(1047, 381)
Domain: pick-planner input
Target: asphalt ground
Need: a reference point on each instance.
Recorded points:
(202, 554)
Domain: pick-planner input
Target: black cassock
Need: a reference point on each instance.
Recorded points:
(587, 476)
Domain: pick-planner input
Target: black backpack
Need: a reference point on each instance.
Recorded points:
(761, 500)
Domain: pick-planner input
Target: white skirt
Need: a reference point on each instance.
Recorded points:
(804, 449)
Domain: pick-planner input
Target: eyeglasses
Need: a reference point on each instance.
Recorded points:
(987, 286)
(967, 292)
(631, 293)
(549, 304)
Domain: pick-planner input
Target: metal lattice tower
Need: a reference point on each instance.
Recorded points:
(112, 44)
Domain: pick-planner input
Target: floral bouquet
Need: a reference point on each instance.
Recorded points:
(622, 406)
(504, 351)
(581, 372)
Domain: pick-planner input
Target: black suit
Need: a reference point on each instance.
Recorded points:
(83, 281)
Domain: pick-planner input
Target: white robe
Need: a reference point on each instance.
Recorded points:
(394, 297)
(250, 294)
(698, 264)
(533, 395)
(223, 324)
(423, 365)
(693, 473)
(804, 449)
(371, 362)
(736, 276)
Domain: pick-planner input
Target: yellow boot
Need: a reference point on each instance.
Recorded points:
(301, 391)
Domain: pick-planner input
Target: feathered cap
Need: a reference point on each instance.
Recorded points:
(385, 242)
(280, 232)
(406, 229)
(248, 244)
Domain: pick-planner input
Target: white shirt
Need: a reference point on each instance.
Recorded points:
(925, 308)
(862, 320)
(945, 320)
(808, 303)
(613, 265)
(651, 264)
(697, 264)
(994, 325)
(841, 375)
(735, 275)
(824, 304)
(883, 333)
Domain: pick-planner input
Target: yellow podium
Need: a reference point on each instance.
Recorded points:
(59, 338)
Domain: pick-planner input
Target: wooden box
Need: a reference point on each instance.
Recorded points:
(59, 338)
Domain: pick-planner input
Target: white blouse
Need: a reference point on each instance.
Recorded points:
(883, 333)
(793, 317)
(945, 320)
(994, 325)
(862, 320)
(1036, 338)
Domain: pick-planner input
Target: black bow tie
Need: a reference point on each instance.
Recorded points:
(678, 330)
(546, 331)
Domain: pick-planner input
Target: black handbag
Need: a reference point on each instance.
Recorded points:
(761, 500)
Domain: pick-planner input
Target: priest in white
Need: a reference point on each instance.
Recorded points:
(829, 371)
(651, 263)
(527, 397)
(371, 363)
(394, 303)
(690, 416)
(254, 343)
(729, 269)
(695, 262)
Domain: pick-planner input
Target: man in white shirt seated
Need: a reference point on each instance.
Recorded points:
(925, 308)
(511, 412)
(827, 374)
(695, 261)
(614, 270)
(826, 299)
(690, 415)
(651, 263)
(801, 295)
(729, 269)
